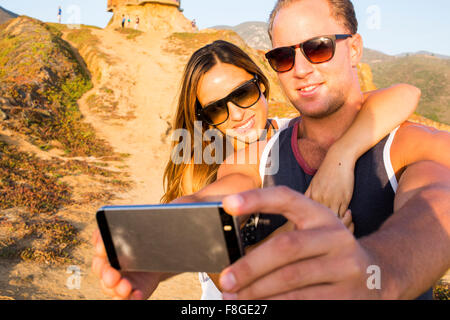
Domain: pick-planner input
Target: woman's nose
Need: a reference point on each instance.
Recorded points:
(236, 113)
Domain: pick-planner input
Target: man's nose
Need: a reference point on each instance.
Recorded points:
(236, 113)
(302, 67)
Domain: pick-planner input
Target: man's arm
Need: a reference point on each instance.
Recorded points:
(417, 235)
(321, 259)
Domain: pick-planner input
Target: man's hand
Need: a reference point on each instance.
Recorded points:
(318, 259)
(121, 286)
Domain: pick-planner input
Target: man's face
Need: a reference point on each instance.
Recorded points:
(316, 90)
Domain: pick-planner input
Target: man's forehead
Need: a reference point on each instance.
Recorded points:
(303, 20)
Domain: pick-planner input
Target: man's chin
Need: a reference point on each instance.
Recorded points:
(318, 112)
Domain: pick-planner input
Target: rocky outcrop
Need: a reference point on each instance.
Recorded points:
(161, 16)
(113, 4)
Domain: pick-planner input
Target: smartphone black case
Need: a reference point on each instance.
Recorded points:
(198, 237)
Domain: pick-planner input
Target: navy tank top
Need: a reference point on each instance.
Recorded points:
(374, 190)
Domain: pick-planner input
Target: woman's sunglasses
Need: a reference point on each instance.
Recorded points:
(244, 96)
(316, 50)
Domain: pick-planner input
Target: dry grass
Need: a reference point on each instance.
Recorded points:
(441, 291)
(32, 193)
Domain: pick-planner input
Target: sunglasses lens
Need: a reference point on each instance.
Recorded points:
(281, 59)
(246, 96)
(319, 50)
(215, 113)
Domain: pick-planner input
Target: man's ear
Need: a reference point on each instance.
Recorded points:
(356, 49)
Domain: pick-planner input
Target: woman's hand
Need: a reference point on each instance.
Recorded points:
(333, 183)
(121, 286)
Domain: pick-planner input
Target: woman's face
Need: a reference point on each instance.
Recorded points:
(243, 124)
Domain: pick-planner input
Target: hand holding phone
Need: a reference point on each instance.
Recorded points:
(170, 238)
(122, 285)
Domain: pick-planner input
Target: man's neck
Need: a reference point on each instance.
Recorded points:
(316, 136)
(326, 131)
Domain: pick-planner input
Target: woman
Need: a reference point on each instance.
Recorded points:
(225, 90)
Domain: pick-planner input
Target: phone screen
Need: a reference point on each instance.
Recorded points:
(170, 238)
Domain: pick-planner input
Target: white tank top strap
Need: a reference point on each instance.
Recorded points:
(209, 289)
(387, 161)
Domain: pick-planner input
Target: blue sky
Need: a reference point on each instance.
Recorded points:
(391, 26)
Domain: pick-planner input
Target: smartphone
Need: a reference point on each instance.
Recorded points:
(194, 237)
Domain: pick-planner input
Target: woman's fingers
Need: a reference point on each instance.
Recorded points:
(308, 192)
(347, 218)
(98, 263)
(123, 289)
(111, 277)
(351, 228)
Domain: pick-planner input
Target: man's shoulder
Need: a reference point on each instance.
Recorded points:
(414, 128)
(411, 134)
(415, 142)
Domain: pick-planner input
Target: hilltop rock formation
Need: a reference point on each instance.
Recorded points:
(159, 15)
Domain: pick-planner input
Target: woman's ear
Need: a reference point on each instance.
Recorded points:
(356, 49)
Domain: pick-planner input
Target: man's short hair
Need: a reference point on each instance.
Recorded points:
(342, 10)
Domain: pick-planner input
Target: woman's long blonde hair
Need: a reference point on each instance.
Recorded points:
(200, 63)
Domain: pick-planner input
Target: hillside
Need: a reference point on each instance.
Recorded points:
(423, 53)
(253, 33)
(6, 15)
(54, 169)
(430, 74)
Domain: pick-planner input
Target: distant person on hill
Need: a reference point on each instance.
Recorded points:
(128, 21)
(225, 90)
(136, 26)
(194, 24)
(123, 21)
(59, 14)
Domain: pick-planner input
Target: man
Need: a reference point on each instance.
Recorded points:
(319, 258)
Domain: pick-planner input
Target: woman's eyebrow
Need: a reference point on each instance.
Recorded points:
(234, 89)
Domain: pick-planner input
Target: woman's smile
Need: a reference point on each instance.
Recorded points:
(244, 127)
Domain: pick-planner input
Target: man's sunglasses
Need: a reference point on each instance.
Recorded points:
(316, 50)
(244, 96)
